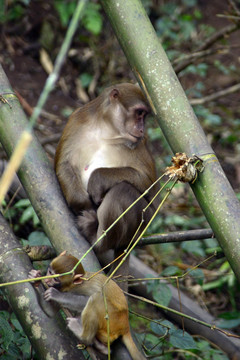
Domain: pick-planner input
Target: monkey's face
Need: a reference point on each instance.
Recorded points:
(135, 122)
(52, 282)
(58, 282)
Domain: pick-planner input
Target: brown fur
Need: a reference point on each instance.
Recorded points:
(103, 165)
(93, 324)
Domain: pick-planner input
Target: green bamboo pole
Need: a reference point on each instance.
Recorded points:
(177, 120)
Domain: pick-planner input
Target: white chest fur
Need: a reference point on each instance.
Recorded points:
(101, 158)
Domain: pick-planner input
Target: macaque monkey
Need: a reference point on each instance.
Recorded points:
(103, 165)
(91, 328)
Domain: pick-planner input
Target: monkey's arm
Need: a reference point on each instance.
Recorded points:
(103, 179)
(72, 187)
(68, 300)
(49, 308)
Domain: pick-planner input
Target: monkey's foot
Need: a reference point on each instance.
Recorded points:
(88, 224)
(100, 347)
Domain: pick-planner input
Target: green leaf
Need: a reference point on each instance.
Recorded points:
(92, 19)
(162, 294)
(151, 342)
(166, 327)
(6, 333)
(4, 314)
(170, 271)
(16, 323)
(38, 238)
(229, 324)
(198, 275)
(85, 79)
(13, 352)
(65, 10)
(23, 203)
(229, 320)
(182, 340)
(35, 219)
(26, 215)
(193, 247)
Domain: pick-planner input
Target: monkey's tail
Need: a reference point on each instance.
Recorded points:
(132, 348)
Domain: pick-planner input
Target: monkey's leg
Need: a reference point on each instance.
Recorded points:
(75, 325)
(85, 328)
(115, 202)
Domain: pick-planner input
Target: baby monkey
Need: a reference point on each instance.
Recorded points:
(70, 291)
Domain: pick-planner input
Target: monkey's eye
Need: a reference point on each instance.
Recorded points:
(140, 112)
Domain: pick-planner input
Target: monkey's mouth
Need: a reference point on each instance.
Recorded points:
(135, 138)
(53, 282)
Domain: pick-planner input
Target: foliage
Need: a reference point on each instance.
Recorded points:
(14, 345)
(92, 19)
(24, 212)
(165, 341)
(13, 12)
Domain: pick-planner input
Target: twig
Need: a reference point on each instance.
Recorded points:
(165, 308)
(216, 95)
(176, 236)
(181, 63)
(29, 109)
(50, 139)
(204, 50)
(232, 17)
(234, 7)
(25, 105)
(227, 30)
(108, 321)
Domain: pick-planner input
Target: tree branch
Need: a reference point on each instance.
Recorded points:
(23, 300)
(181, 63)
(216, 95)
(176, 237)
(227, 30)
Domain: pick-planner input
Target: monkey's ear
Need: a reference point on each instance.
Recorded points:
(78, 279)
(114, 94)
(63, 253)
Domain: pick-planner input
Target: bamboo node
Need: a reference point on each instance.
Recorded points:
(185, 168)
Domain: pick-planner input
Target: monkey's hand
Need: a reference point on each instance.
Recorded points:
(88, 224)
(52, 294)
(97, 188)
(34, 274)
